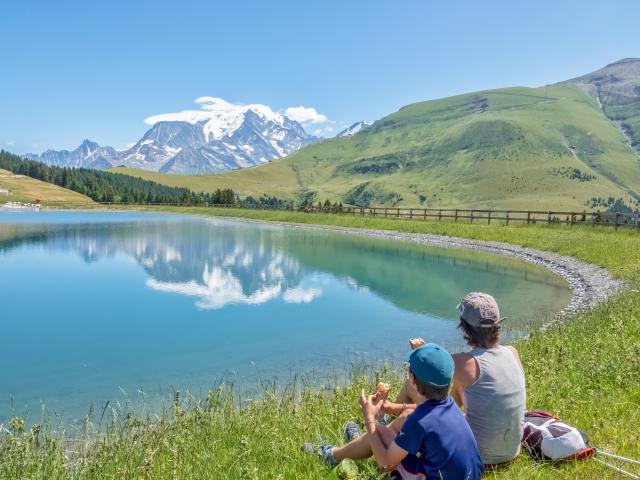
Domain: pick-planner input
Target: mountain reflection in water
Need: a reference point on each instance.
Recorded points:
(96, 303)
(222, 262)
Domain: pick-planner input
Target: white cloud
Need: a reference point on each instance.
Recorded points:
(218, 288)
(300, 295)
(223, 118)
(191, 116)
(10, 143)
(305, 115)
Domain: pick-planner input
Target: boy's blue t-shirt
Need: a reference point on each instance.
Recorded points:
(440, 443)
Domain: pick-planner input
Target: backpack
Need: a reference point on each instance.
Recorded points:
(548, 438)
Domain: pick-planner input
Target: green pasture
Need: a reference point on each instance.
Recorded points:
(585, 370)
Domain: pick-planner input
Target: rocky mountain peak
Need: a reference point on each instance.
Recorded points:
(616, 89)
(353, 129)
(219, 138)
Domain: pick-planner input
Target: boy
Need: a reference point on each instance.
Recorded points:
(435, 441)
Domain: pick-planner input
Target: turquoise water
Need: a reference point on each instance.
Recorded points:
(97, 305)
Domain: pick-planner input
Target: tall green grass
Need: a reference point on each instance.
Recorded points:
(586, 370)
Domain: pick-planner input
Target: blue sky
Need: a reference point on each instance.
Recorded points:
(74, 70)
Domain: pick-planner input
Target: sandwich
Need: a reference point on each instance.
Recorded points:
(382, 391)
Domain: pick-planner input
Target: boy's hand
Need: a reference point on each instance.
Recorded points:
(382, 391)
(370, 406)
(416, 343)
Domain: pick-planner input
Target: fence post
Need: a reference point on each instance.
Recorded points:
(425, 213)
(528, 218)
(374, 211)
(548, 218)
(507, 218)
(471, 219)
(411, 214)
(439, 214)
(489, 218)
(398, 213)
(385, 212)
(617, 217)
(573, 219)
(456, 216)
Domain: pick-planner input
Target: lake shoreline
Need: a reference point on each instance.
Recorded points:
(590, 285)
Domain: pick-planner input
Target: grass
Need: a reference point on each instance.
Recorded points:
(27, 189)
(587, 371)
(277, 180)
(490, 149)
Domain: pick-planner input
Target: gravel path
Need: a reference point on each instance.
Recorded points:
(590, 284)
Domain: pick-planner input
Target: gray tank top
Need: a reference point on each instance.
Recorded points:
(495, 404)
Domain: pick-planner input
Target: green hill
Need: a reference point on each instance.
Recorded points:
(27, 190)
(550, 147)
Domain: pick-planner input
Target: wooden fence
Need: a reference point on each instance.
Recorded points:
(481, 216)
(528, 217)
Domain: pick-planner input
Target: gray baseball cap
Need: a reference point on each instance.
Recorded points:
(479, 310)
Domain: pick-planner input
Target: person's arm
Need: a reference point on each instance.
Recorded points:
(385, 456)
(466, 373)
(516, 354)
(457, 394)
(397, 409)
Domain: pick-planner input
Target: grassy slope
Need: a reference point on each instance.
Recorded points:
(274, 179)
(587, 371)
(26, 189)
(495, 148)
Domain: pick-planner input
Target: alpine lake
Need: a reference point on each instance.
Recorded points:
(101, 309)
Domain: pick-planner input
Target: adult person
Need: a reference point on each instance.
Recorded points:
(488, 382)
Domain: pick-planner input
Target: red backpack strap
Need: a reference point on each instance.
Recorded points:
(542, 413)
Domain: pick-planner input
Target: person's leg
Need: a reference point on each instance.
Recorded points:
(359, 448)
(356, 449)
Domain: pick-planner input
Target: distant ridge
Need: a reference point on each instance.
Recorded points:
(560, 145)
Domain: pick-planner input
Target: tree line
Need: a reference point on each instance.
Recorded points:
(107, 187)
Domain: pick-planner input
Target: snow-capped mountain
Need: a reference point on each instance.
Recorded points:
(88, 155)
(353, 129)
(219, 137)
(161, 143)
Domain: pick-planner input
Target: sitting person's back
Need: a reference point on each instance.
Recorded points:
(495, 404)
(489, 382)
